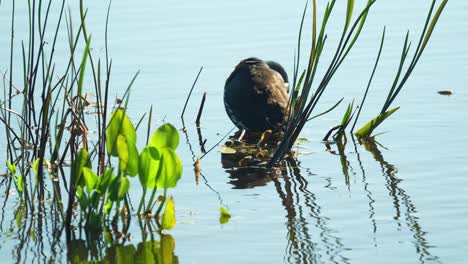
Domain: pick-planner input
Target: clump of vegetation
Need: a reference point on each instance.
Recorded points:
(304, 99)
(48, 120)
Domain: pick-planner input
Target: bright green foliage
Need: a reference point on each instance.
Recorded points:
(225, 215)
(118, 188)
(121, 142)
(18, 179)
(105, 180)
(128, 156)
(168, 218)
(344, 122)
(165, 136)
(20, 183)
(148, 167)
(81, 161)
(170, 169)
(90, 179)
(368, 128)
(11, 167)
(147, 252)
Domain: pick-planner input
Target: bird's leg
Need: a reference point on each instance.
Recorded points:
(242, 134)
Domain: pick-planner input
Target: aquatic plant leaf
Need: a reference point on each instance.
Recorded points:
(82, 160)
(349, 12)
(90, 178)
(165, 136)
(170, 169)
(19, 217)
(108, 207)
(119, 124)
(119, 188)
(83, 66)
(347, 114)
(94, 222)
(105, 180)
(367, 129)
(225, 215)
(11, 167)
(82, 197)
(227, 150)
(108, 236)
(35, 165)
(168, 219)
(125, 254)
(167, 250)
(147, 252)
(148, 166)
(20, 183)
(128, 156)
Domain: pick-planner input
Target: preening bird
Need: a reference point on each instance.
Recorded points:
(256, 95)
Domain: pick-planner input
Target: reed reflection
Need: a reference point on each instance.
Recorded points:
(405, 210)
(309, 238)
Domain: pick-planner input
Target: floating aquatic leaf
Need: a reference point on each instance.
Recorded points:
(224, 215)
(227, 150)
(168, 218)
(165, 136)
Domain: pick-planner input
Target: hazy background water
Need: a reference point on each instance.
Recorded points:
(408, 205)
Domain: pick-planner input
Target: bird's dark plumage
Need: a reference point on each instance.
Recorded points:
(255, 95)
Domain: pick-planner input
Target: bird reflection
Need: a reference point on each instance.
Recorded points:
(310, 239)
(303, 213)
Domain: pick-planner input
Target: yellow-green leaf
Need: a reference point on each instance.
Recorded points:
(119, 124)
(168, 218)
(227, 150)
(148, 166)
(119, 188)
(90, 178)
(368, 128)
(165, 136)
(170, 169)
(224, 215)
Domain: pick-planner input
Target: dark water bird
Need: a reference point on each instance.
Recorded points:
(256, 95)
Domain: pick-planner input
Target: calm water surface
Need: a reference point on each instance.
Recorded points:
(404, 200)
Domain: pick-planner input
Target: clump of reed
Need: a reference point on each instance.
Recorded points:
(304, 97)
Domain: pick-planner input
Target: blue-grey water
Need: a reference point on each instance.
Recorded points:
(404, 202)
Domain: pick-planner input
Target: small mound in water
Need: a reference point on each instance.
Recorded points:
(246, 160)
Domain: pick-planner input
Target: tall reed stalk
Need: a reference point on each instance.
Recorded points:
(303, 98)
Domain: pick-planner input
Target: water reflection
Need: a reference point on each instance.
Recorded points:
(96, 251)
(310, 239)
(402, 203)
(303, 212)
